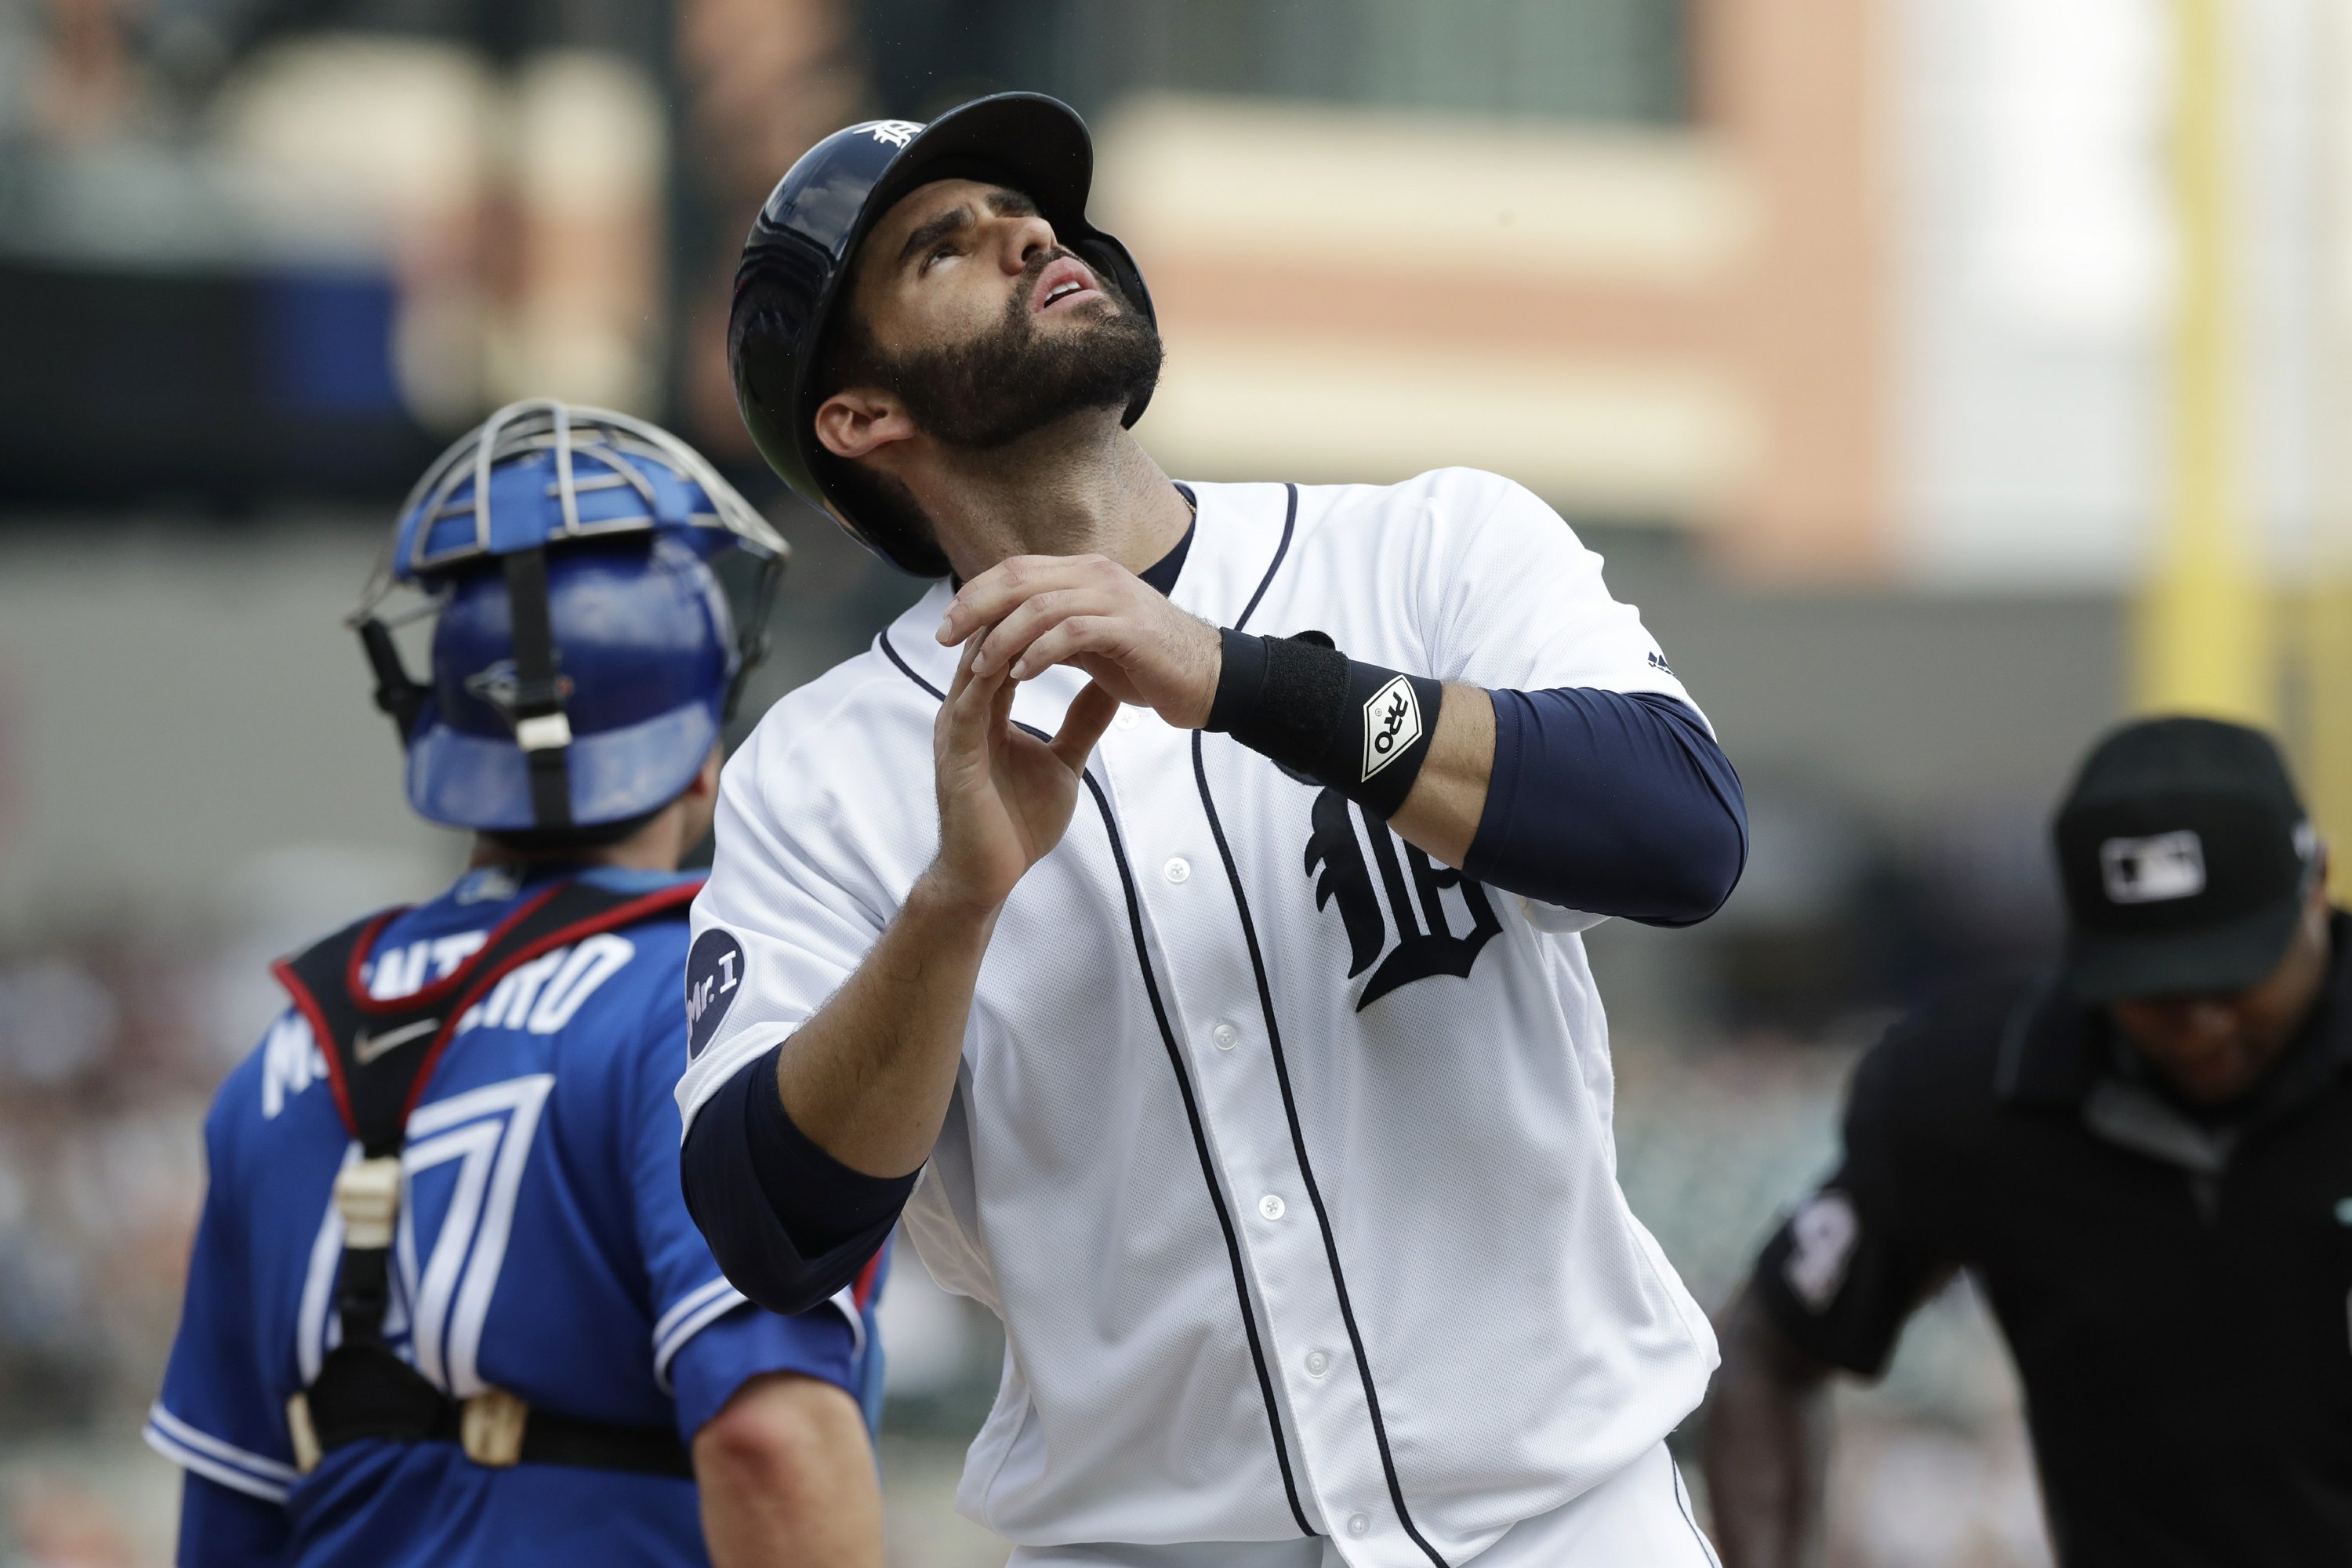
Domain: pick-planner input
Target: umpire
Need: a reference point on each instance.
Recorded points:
(2145, 1161)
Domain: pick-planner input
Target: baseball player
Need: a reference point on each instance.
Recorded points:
(1174, 915)
(446, 1305)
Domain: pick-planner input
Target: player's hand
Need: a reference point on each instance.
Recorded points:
(1005, 796)
(1033, 612)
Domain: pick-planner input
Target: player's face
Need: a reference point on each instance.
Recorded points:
(2214, 1048)
(985, 326)
(955, 258)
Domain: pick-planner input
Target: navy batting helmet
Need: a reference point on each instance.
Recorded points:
(797, 265)
(584, 653)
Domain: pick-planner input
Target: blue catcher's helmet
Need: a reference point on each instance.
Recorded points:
(584, 654)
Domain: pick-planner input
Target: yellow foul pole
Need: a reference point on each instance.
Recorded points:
(2325, 754)
(2202, 635)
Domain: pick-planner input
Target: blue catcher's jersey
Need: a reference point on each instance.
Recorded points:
(544, 1248)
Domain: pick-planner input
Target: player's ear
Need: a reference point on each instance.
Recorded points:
(860, 420)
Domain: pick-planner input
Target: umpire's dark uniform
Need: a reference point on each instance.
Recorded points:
(2174, 1279)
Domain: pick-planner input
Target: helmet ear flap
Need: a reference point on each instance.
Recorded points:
(1107, 255)
(1110, 259)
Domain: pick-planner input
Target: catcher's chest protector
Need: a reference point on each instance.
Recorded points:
(380, 1054)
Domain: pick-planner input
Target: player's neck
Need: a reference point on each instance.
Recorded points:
(659, 845)
(1079, 487)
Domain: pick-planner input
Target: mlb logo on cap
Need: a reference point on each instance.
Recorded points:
(2185, 857)
(2153, 869)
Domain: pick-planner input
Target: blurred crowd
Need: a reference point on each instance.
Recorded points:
(105, 1070)
(106, 1066)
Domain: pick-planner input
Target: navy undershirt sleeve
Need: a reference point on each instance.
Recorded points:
(1615, 803)
(789, 1224)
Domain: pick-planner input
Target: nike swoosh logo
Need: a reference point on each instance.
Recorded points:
(366, 1048)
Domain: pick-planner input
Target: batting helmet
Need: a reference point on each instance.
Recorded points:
(797, 262)
(584, 653)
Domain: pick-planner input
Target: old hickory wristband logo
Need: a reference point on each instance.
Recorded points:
(1391, 724)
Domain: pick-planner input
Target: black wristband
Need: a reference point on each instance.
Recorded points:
(1325, 717)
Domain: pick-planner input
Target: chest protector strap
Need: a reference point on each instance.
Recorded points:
(380, 1055)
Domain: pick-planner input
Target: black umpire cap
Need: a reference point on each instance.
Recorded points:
(2186, 856)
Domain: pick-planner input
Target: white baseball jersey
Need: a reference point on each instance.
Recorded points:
(1283, 1151)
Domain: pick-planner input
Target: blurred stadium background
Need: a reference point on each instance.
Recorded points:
(1944, 378)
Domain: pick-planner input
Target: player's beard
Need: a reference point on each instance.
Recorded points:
(991, 391)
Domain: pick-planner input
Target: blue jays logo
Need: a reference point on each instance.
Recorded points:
(496, 684)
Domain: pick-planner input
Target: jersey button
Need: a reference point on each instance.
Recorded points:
(1358, 1524)
(1270, 1206)
(1317, 1363)
(1127, 718)
(1226, 1036)
(1177, 869)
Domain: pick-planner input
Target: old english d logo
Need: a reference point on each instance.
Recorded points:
(1426, 944)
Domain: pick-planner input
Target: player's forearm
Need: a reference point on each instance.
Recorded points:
(787, 1476)
(1767, 1447)
(1442, 813)
(1403, 747)
(868, 1078)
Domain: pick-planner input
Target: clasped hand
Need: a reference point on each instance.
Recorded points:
(1033, 612)
(1005, 796)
